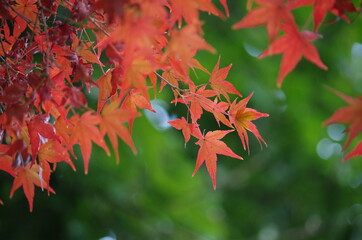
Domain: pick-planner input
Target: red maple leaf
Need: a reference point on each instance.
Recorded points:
(294, 45)
(342, 6)
(210, 145)
(27, 177)
(225, 6)
(272, 13)
(4, 10)
(5, 159)
(39, 126)
(113, 8)
(320, 9)
(241, 117)
(354, 153)
(351, 114)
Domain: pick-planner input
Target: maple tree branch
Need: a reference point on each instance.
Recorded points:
(99, 27)
(168, 83)
(67, 2)
(47, 53)
(94, 52)
(5, 58)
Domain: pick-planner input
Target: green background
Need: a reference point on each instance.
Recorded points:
(288, 190)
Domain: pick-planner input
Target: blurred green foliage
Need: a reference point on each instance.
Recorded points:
(284, 191)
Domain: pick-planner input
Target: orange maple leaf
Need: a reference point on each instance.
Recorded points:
(197, 100)
(272, 13)
(188, 129)
(184, 44)
(26, 14)
(241, 117)
(133, 100)
(105, 89)
(294, 45)
(52, 152)
(218, 83)
(351, 114)
(112, 124)
(189, 10)
(28, 176)
(210, 145)
(84, 132)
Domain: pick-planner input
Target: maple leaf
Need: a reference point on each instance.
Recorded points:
(199, 100)
(354, 153)
(4, 10)
(339, 8)
(83, 50)
(38, 126)
(188, 129)
(241, 117)
(104, 84)
(113, 8)
(184, 44)
(136, 73)
(351, 114)
(52, 152)
(320, 9)
(28, 176)
(271, 13)
(294, 45)
(189, 10)
(218, 83)
(5, 159)
(135, 99)
(112, 124)
(28, 11)
(210, 145)
(225, 6)
(172, 79)
(84, 133)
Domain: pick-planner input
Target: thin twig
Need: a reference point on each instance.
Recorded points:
(5, 56)
(168, 83)
(94, 52)
(99, 27)
(47, 53)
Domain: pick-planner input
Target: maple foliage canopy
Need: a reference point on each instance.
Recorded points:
(50, 48)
